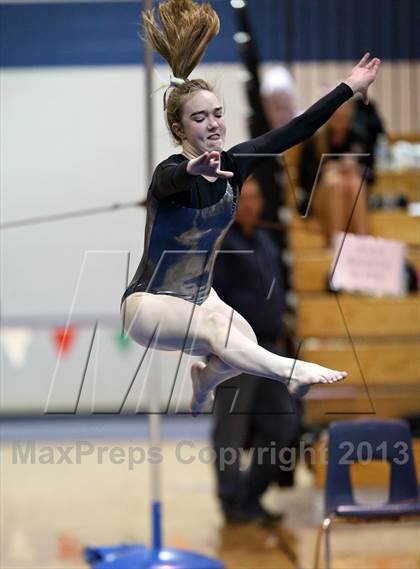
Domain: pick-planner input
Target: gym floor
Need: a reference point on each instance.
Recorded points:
(53, 503)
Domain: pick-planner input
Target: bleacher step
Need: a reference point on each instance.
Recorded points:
(374, 362)
(388, 224)
(330, 315)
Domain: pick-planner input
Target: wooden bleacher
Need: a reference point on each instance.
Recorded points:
(389, 224)
(375, 339)
(395, 183)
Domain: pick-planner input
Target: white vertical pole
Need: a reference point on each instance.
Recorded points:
(155, 468)
(154, 418)
(148, 83)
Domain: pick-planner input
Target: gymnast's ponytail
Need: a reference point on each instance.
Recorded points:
(186, 30)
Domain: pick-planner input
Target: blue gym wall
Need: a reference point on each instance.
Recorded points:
(105, 33)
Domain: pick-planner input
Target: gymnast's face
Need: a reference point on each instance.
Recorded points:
(202, 127)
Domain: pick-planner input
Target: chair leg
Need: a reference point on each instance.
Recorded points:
(323, 529)
(327, 528)
(318, 546)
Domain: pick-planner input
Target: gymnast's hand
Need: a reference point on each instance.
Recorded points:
(362, 75)
(208, 164)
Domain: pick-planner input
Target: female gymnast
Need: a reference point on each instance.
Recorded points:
(191, 203)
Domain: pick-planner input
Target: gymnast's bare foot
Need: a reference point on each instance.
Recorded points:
(202, 398)
(305, 374)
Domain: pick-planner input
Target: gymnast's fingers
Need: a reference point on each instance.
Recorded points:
(364, 59)
(224, 174)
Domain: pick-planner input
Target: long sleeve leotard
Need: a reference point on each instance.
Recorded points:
(188, 216)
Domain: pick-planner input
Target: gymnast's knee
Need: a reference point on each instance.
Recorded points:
(218, 327)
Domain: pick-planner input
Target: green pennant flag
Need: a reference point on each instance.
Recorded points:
(123, 340)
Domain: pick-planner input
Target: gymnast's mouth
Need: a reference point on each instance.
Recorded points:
(214, 137)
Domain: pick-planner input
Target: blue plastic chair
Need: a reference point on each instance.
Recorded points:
(363, 440)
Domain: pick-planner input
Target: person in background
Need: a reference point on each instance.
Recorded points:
(249, 412)
(338, 197)
(276, 107)
(278, 96)
(367, 119)
(274, 103)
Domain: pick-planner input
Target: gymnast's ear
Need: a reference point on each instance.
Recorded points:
(178, 130)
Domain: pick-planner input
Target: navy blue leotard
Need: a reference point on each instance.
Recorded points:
(188, 216)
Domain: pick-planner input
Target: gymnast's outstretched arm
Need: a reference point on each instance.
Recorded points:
(297, 130)
(172, 176)
(305, 125)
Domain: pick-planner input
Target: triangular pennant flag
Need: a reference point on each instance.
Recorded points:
(15, 342)
(124, 342)
(21, 548)
(64, 338)
(69, 548)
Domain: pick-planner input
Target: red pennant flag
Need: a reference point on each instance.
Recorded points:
(69, 548)
(64, 338)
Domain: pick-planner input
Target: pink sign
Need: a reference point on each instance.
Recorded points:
(368, 264)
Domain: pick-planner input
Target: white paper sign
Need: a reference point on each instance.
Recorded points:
(368, 264)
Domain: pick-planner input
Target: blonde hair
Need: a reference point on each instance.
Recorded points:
(186, 30)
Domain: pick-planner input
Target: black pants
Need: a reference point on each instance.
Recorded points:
(255, 413)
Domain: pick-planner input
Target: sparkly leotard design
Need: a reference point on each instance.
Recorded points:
(188, 216)
(181, 243)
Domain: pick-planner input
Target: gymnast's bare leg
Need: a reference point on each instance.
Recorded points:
(213, 329)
